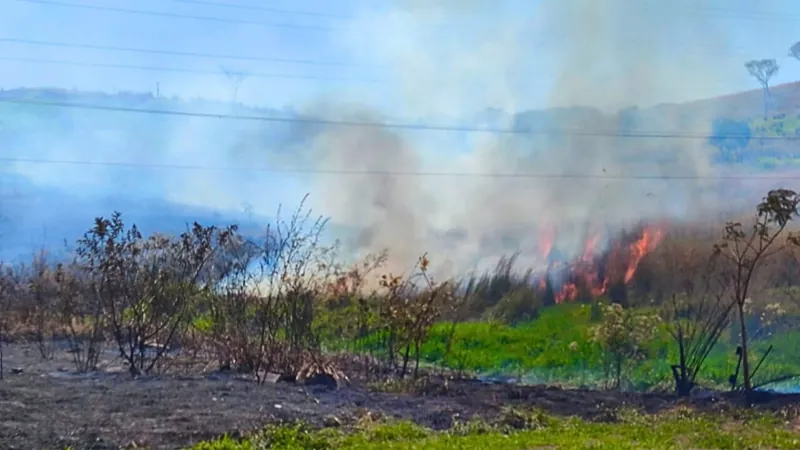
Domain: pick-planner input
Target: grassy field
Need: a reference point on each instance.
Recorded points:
(772, 155)
(556, 348)
(677, 429)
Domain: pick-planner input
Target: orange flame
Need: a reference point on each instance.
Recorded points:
(650, 239)
(568, 292)
(546, 240)
(590, 248)
(620, 260)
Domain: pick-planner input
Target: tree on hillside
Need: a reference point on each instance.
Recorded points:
(747, 249)
(763, 70)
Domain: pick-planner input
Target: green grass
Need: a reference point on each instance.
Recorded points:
(537, 349)
(540, 351)
(556, 348)
(778, 126)
(676, 430)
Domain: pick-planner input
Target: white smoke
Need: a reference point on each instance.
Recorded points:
(604, 55)
(458, 195)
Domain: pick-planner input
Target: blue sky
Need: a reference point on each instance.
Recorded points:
(46, 22)
(382, 39)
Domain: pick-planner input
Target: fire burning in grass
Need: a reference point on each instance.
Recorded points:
(595, 270)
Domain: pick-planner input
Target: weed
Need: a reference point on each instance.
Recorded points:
(521, 430)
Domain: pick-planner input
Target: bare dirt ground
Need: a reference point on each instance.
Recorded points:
(43, 405)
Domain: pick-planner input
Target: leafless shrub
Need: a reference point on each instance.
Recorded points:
(41, 299)
(347, 313)
(145, 285)
(81, 315)
(7, 288)
(258, 305)
(235, 321)
(260, 316)
(413, 304)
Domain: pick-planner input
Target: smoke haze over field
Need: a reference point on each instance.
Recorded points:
(439, 62)
(605, 54)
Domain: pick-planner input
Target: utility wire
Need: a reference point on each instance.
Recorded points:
(263, 9)
(389, 125)
(250, 168)
(733, 52)
(179, 70)
(710, 12)
(174, 15)
(713, 12)
(173, 53)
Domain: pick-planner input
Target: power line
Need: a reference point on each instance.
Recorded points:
(730, 52)
(545, 41)
(174, 15)
(389, 125)
(711, 12)
(174, 53)
(176, 70)
(250, 168)
(264, 9)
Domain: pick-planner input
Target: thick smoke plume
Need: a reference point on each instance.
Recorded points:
(571, 66)
(600, 54)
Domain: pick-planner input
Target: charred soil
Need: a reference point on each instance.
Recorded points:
(45, 405)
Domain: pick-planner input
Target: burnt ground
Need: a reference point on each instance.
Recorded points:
(44, 405)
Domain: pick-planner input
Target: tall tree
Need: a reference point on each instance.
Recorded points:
(763, 70)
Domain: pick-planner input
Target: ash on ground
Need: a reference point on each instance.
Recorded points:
(44, 403)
